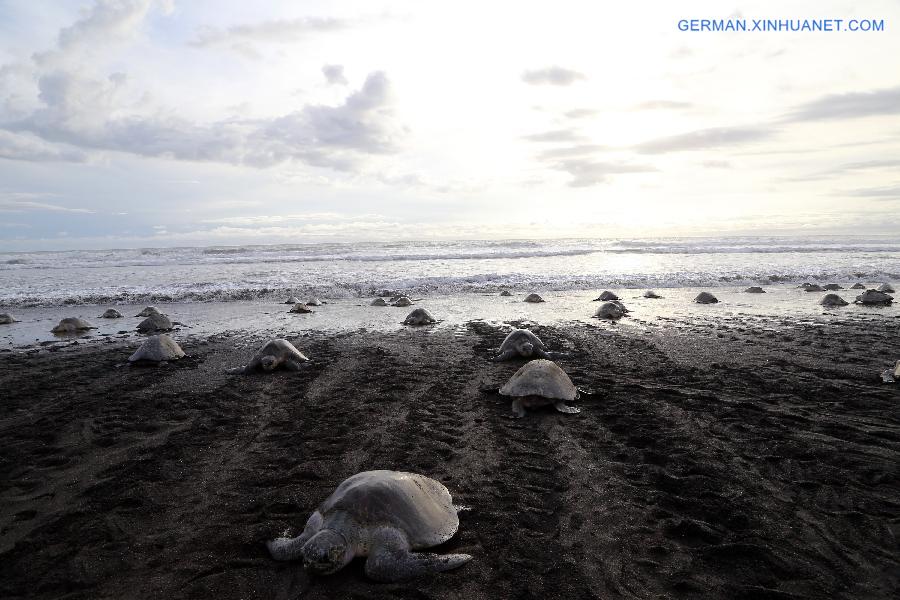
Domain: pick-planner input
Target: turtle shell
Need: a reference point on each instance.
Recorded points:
(157, 322)
(292, 300)
(651, 294)
(705, 298)
(832, 287)
(71, 325)
(813, 288)
(541, 378)
(885, 288)
(402, 301)
(607, 296)
(111, 313)
(833, 300)
(419, 316)
(874, 297)
(609, 310)
(378, 302)
(300, 308)
(150, 310)
(533, 298)
(755, 289)
(6, 319)
(281, 349)
(419, 506)
(858, 286)
(518, 335)
(157, 349)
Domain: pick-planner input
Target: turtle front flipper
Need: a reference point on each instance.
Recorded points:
(505, 355)
(518, 408)
(292, 365)
(569, 410)
(390, 558)
(541, 353)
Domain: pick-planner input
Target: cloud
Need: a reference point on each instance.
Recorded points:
(663, 105)
(334, 74)
(26, 146)
(261, 220)
(716, 164)
(86, 113)
(703, 139)
(552, 76)
(557, 135)
(277, 30)
(22, 202)
(891, 192)
(570, 151)
(581, 113)
(587, 172)
(848, 106)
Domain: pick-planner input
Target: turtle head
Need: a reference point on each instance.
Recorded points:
(326, 552)
(526, 348)
(268, 363)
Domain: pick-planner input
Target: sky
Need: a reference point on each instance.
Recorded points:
(138, 123)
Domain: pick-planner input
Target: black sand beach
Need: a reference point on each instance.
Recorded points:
(736, 460)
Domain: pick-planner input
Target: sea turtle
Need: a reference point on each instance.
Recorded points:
(874, 297)
(419, 316)
(292, 300)
(111, 313)
(378, 302)
(6, 319)
(300, 308)
(153, 323)
(402, 301)
(157, 348)
(609, 310)
(382, 516)
(539, 383)
(832, 287)
(812, 287)
(150, 310)
(858, 286)
(506, 293)
(705, 298)
(755, 289)
(606, 296)
(315, 302)
(890, 376)
(533, 298)
(72, 325)
(833, 300)
(886, 288)
(521, 342)
(651, 294)
(274, 354)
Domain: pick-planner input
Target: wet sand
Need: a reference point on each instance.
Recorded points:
(735, 458)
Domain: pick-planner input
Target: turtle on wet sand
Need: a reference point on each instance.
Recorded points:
(419, 316)
(6, 319)
(886, 288)
(378, 302)
(521, 343)
(301, 308)
(292, 300)
(153, 323)
(874, 297)
(705, 298)
(402, 301)
(540, 383)
(610, 310)
(858, 286)
(156, 349)
(384, 516)
(832, 287)
(150, 310)
(111, 313)
(813, 287)
(72, 325)
(274, 354)
(533, 298)
(833, 300)
(754, 289)
(315, 302)
(506, 293)
(651, 294)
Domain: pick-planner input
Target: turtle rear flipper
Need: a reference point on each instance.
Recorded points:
(569, 410)
(390, 558)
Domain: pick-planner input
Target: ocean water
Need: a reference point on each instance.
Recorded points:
(361, 270)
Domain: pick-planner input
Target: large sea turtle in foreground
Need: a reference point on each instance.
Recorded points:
(383, 516)
(274, 354)
(6, 319)
(540, 383)
(533, 298)
(72, 325)
(156, 322)
(610, 310)
(705, 298)
(874, 297)
(156, 349)
(150, 310)
(419, 316)
(111, 313)
(521, 343)
(833, 300)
